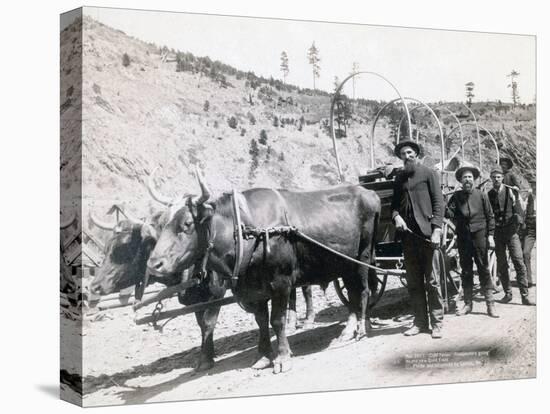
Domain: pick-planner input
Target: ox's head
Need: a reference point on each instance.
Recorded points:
(185, 237)
(126, 254)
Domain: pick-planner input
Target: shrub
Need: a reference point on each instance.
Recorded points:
(275, 121)
(254, 152)
(206, 106)
(232, 122)
(263, 137)
(251, 118)
(243, 131)
(125, 60)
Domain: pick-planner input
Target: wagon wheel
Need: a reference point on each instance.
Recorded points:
(446, 261)
(375, 295)
(449, 236)
(493, 270)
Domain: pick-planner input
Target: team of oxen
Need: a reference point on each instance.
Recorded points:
(195, 237)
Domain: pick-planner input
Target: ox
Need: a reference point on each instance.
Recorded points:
(126, 255)
(306, 290)
(124, 265)
(343, 218)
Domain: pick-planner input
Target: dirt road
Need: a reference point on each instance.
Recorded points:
(129, 364)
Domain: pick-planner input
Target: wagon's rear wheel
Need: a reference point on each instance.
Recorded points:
(446, 264)
(493, 271)
(375, 294)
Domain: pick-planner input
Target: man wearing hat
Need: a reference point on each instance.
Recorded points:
(470, 210)
(508, 217)
(509, 178)
(417, 212)
(529, 232)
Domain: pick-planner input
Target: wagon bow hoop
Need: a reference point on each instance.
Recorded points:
(333, 104)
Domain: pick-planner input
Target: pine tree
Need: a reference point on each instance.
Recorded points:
(314, 59)
(514, 85)
(469, 93)
(284, 65)
(125, 60)
(342, 111)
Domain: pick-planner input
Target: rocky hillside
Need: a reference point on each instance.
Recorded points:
(147, 110)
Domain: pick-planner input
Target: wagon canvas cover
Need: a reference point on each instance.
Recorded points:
(158, 108)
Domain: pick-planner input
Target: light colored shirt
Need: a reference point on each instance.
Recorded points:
(502, 198)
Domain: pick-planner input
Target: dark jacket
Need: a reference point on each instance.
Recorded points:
(471, 212)
(513, 213)
(420, 192)
(531, 212)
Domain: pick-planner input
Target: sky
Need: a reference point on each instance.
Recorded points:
(430, 65)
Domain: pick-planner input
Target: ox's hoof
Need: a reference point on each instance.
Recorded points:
(309, 323)
(291, 329)
(361, 333)
(281, 365)
(346, 336)
(363, 330)
(262, 363)
(204, 365)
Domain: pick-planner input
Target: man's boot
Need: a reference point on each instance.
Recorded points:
(526, 301)
(437, 332)
(415, 330)
(491, 311)
(489, 300)
(467, 307)
(506, 298)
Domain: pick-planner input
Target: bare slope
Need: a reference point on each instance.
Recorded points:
(147, 114)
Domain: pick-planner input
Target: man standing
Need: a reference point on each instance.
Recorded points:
(529, 233)
(509, 178)
(417, 212)
(470, 210)
(507, 213)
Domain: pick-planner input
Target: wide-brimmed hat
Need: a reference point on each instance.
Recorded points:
(462, 170)
(406, 143)
(506, 159)
(497, 170)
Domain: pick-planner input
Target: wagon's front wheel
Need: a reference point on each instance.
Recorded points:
(375, 294)
(493, 271)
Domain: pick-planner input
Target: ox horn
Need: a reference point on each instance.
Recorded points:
(125, 213)
(68, 222)
(167, 201)
(134, 219)
(101, 224)
(204, 189)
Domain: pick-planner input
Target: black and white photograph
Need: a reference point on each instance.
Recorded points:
(255, 206)
(273, 207)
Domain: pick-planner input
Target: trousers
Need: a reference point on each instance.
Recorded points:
(472, 247)
(422, 282)
(506, 237)
(528, 241)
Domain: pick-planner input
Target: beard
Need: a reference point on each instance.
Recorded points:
(468, 187)
(409, 167)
